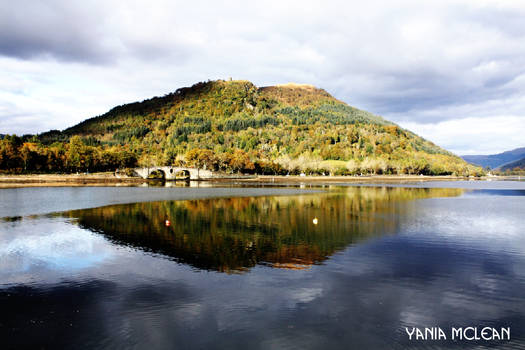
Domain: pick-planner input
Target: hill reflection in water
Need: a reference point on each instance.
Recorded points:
(234, 234)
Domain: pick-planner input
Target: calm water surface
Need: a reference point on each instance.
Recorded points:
(255, 272)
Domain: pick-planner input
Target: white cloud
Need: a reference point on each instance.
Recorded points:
(413, 62)
(462, 136)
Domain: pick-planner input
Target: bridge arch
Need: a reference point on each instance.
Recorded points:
(171, 173)
(182, 174)
(157, 174)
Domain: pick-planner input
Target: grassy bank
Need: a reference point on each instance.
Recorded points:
(32, 180)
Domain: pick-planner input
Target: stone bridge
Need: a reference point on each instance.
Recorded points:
(171, 172)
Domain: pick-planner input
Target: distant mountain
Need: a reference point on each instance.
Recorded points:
(496, 160)
(513, 165)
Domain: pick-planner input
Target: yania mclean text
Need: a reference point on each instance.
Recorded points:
(460, 333)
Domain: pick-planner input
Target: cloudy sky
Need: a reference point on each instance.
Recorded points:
(451, 71)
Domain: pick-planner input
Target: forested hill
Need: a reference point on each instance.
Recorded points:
(517, 165)
(235, 126)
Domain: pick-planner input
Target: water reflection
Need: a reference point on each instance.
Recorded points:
(233, 234)
(378, 260)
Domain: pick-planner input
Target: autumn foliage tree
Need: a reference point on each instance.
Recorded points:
(17, 156)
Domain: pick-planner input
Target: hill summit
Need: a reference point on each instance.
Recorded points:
(236, 126)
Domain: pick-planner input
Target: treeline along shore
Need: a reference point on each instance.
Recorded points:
(32, 157)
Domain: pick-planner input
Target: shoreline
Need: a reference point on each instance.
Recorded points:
(58, 180)
(109, 179)
(354, 179)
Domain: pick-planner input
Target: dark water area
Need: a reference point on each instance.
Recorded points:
(346, 268)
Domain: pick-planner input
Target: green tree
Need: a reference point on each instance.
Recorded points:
(74, 153)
